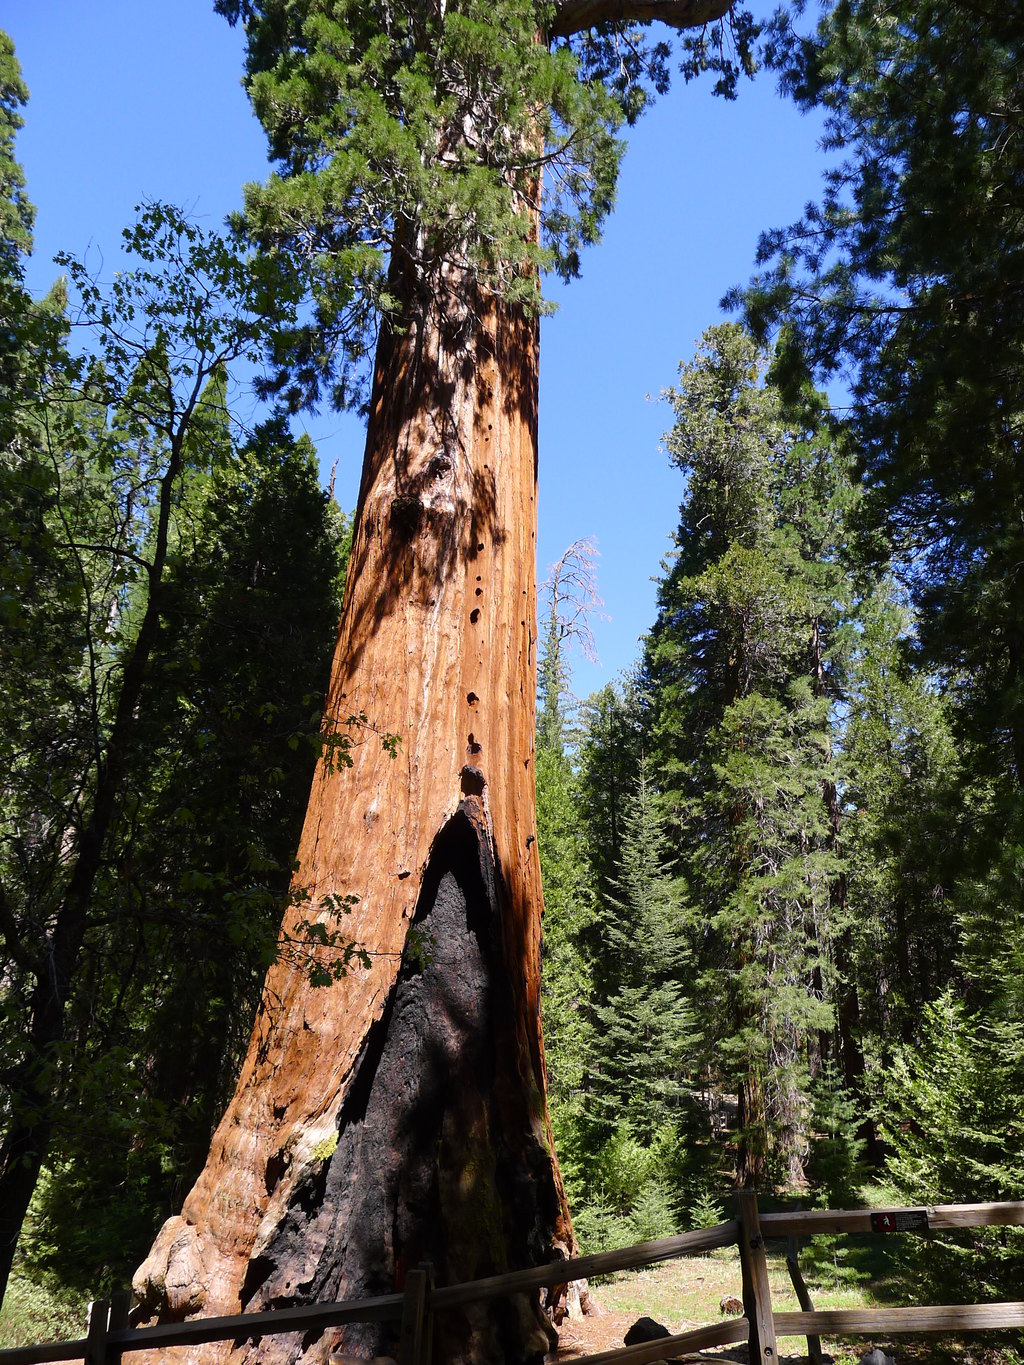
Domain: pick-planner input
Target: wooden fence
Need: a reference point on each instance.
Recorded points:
(109, 1336)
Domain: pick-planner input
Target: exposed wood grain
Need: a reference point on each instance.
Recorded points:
(1007, 1214)
(939, 1216)
(757, 1294)
(972, 1317)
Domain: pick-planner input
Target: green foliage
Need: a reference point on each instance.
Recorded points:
(907, 275)
(956, 1134)
(706, 1209)
(904, 275)
(416, 141)
(953, 1119)
(185, 927)
(16, 212)
(168, 607)
(607, 754)
(569, 912)
(906, 828)
(411, 147)
(621, 1035)
(35, 1311)
(743, 665)
(649, 1032)
(311, 936)
(633, 1198)
(836, 1165)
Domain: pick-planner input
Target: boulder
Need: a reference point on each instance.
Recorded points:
(645, 1329)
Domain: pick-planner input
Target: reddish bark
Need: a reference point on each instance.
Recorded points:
(436, 645)
(432, 1084)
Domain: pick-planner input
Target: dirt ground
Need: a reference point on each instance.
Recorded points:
(605, 1330)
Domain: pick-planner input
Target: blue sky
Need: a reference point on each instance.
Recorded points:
(141, 99)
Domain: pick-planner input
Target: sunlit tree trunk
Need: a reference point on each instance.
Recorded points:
(400, 1114)
(387, 1118)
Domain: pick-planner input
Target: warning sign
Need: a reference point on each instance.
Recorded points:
(905, 1220)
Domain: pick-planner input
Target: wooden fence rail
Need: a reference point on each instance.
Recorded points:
(109, 1337)
(765, 1326)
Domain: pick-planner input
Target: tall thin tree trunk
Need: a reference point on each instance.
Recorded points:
(847, 1002)
(400, 1114)
(752, 1152)
(35, 1080)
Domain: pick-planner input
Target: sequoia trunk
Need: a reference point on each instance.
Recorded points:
(400, 1114)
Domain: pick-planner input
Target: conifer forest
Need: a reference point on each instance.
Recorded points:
(326, 949)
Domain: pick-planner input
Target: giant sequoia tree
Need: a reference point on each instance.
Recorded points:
(399, 1114)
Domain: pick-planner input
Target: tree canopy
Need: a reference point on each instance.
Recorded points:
(420, 143)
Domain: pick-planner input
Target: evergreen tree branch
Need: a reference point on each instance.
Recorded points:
(574, 16)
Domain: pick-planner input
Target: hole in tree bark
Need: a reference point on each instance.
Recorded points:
(406, 514)
(436, 1158)
(473, 781)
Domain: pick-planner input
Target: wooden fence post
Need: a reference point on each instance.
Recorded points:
(120, 1306)
(417, 1329)
(814, 1354)
(96, 1332)
(757, 1298)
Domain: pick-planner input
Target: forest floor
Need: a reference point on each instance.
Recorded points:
(687, 1293)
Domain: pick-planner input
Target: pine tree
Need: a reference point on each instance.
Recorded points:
(907, 274)
(198, 860)
(570, 904)
(631, 1136)
(648, 1033)
(610, 746)
(743, 664)
(901, 772)
(953, 1130)
(570, 900)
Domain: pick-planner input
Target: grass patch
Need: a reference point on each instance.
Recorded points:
(690, 1289)
(851, 1272)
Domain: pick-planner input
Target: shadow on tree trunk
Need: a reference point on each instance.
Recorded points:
(434, 1159)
